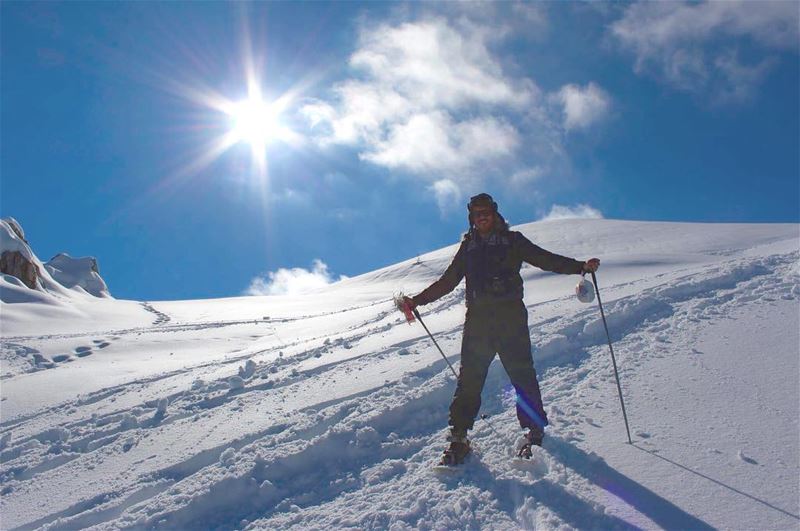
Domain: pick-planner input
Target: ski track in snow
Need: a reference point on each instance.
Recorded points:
(362, 458)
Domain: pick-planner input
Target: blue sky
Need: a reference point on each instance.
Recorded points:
(119, 135)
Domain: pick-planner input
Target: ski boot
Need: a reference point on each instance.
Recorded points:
(535, 436)
(458, 449)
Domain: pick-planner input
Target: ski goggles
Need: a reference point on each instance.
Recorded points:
(482, 213)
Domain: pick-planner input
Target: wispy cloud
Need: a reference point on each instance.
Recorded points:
(694, 46)
(578, 211)
(292, 281)
(427, 97)
(583, 106)
(448, 195)
(525, 176)
(523, 18)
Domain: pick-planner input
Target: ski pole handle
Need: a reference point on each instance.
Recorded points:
(402, 305)
(409, 313)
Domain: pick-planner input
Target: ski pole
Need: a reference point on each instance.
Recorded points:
(419, 318)
(613, 359)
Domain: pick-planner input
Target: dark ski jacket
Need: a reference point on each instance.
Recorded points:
(492, 265)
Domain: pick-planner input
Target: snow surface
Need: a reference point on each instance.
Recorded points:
(327, 410)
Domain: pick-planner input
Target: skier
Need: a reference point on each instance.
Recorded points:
(490, 256)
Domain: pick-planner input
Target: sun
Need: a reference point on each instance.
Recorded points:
(262, 120)
(255, 122)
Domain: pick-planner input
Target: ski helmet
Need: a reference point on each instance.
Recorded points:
(585, 290)
(484, 200)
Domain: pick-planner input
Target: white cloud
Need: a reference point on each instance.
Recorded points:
(448, 194)
(579, 211)
(435, 62)
(292, 281)
(526, 176)
(435, 142)
(318, 112)
(435, 99)
(428, 99)
(583, 106)
(689, 44)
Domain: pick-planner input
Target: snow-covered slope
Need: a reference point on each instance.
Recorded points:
(63, 296)
(326, 410)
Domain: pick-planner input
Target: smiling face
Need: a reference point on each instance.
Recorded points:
(483, 217)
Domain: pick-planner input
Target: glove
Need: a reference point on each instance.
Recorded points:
(406, 305)
(409, 301)
(591, 265)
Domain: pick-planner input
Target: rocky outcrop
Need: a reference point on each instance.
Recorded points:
(16, 257)
(16, 264)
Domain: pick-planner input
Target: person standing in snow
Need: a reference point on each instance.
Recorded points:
(490, 257)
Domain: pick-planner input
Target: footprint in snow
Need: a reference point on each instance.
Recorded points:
(590, 421)
(59, 358)
(40, 362)
(82, 352)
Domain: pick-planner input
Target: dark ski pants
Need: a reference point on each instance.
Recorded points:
(500, 328)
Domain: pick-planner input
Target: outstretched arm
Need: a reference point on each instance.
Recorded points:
(543, 259)
(446, 283)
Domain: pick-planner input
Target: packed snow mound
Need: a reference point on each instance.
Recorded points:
(73, 272)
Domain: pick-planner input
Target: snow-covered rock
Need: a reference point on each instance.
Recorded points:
(16, 257)
(78, 272)
(26, 279)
